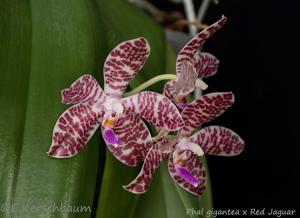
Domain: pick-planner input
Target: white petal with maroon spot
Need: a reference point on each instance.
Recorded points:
(184, 84)
(73, 130)
(218, 140)
(123, 63)
(196, 168)
(205, 64)
(205, 109)
(155, 108)
(169, 90)
(142, 182)
(84, 89)
(135, 137)
(188, 51)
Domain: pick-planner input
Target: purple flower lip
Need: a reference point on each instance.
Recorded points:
(187, 175)
(111, 137)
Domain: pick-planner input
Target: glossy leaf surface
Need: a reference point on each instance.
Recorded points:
(44, 44)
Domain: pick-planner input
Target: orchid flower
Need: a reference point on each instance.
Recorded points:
(192, 66)
(123, 130)
(184, 164)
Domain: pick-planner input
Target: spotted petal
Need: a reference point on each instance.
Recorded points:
(142, 182)
(188, 51)
(185, 82)
(123, 63)
(73, 130)
(84, 89)
(218, 140)
(195, 168)
(155, 108)
(169, 90)
(135, 137)
(205, 64)
(205, 109)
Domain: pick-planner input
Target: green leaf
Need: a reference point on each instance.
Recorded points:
(114, 201)
(45, 46)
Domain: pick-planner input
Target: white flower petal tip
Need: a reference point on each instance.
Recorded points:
(201, 84)
(196, 149)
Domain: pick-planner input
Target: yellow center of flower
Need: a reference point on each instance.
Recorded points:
(180, 160)
(179, 98)
(109, 123)
(113, 110)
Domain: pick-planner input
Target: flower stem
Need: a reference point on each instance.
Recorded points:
(150, 82)
(202, 10)
(190, 14)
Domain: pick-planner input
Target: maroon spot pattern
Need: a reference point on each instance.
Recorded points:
(84, 89)
(188, 51)
(205, 109)
(193, 165)
(218, 140)
(123, 63)
(155, 108)
(142, 182)
(184, 84)
(206, 64)
(136, 138)
(169, 90)
(73, 129)
(76, 126)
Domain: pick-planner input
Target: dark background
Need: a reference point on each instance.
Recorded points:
(258, 50)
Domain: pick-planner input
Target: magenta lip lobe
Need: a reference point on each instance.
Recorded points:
(187, 175)
(111, 137)
(181, 106)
